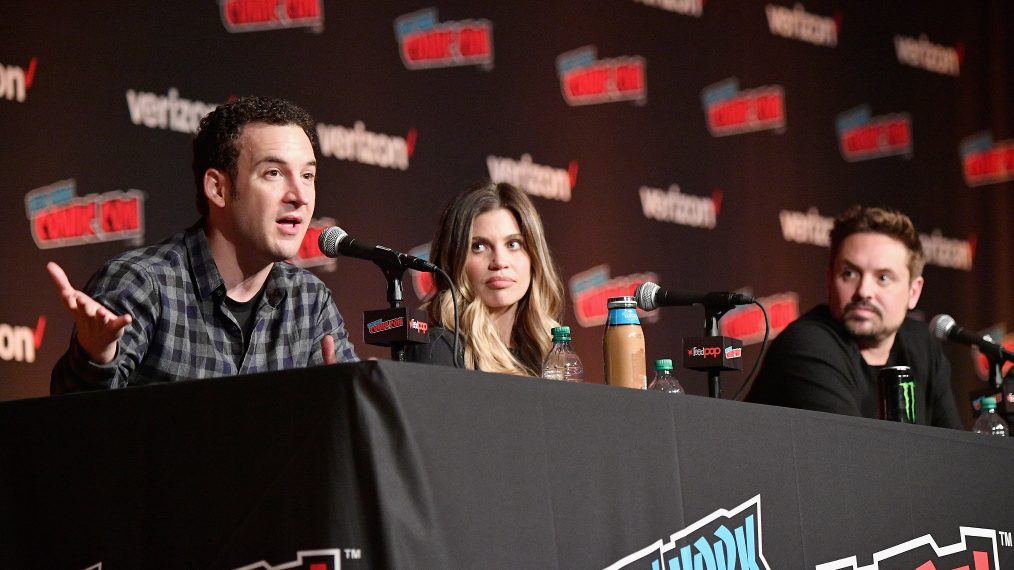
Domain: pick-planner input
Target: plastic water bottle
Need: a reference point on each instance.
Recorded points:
(990, 422)
(562, 363)
(664, 380)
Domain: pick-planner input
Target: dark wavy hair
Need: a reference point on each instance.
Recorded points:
(889, 222)
(215, 143)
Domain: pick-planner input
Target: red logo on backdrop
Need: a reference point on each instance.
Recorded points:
(986, 162)
(591, 290)
(977, 550)
(747, 322)
(862, 136)
(587, 80)
(18, 343)
(15, 81)
(422, 282)
(424, 42)
(999, 335)
(309, 254)
(730, 111)
(59, 217)
(260, 15)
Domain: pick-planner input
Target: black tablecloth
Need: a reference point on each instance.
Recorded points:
(391, 465)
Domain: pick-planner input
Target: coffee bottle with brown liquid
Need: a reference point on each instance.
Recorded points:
(624, 345)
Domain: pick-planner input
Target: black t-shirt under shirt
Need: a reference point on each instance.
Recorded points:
(245, 313)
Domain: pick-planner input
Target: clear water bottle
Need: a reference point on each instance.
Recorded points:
(562, 363)
(665, 380)
(990, 422)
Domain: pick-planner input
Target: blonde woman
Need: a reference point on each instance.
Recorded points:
(491, 242)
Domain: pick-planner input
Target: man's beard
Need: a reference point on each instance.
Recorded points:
(866, 331)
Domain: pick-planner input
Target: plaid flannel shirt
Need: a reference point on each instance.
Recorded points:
(183, 329)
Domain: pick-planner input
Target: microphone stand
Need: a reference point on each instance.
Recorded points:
(402, 324)
(394, 299)
(712, 315)
(713, 353)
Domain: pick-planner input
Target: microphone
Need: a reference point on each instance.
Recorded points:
(944, 328)
(335, 241)
(650, 297)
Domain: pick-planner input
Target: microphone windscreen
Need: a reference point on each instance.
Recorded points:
(645, 296)
(329, 240)
(940, 325)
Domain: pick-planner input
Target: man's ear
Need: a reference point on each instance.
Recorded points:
(915, 291)
(217, 186)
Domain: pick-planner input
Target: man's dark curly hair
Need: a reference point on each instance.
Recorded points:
(215, 143)
(892, 223)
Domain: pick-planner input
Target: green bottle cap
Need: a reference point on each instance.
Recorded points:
(663, 364)
(561, 334)
(989, 403)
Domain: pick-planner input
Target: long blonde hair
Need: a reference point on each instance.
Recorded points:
(539, 310)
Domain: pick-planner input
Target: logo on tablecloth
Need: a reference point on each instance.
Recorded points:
(977, 550)
(330, 559)
(723, 539)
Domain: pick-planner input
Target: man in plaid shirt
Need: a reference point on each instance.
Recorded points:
(216, 299)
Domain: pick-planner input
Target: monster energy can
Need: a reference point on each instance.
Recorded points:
(897, 394)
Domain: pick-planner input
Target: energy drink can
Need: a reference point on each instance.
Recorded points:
(897, 394)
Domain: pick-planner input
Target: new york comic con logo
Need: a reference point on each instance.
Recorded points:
(861, 136)
(587, 80)
(730, 540)
(592, 289)
(260, 15)
(424, 42)
(985, 162)
(59, 217)
(977, 550)
(730, 111)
